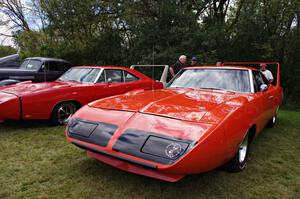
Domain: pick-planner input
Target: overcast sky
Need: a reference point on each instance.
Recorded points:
(7, 41)
(31, 19)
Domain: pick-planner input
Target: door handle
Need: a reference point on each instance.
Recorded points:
(271, 97)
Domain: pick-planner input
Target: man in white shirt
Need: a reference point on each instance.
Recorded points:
(266, 73)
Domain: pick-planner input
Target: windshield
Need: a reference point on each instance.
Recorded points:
(31, 64)
(212, 78)
(88, 75)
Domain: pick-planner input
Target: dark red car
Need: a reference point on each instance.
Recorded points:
(58, 100)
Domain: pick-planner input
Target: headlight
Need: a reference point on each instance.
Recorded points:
(81, 128)
(165, 148)
(92, 132)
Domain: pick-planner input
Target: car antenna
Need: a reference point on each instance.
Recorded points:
(153, 67)
(45, 75)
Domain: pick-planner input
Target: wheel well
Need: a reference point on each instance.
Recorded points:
(252, 132)
(77, 104)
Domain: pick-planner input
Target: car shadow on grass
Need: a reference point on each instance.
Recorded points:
(25, 124)
(97, 173)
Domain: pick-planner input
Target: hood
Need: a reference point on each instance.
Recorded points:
(182, 104)
(25, 88)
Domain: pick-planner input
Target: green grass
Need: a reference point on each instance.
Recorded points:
(36, 161)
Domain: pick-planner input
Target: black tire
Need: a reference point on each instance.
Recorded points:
(239, 161)
(272, 122)
(62, 112)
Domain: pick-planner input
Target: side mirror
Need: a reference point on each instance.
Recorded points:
(263, 87)
(109, 80)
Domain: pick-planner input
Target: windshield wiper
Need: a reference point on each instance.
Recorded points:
(71, 80)
(212, 88)
(220, 89)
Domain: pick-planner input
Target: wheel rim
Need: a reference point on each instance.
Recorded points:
(274, 119)
(64, 112)
(243, 150)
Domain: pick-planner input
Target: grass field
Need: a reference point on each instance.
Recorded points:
(36, 161)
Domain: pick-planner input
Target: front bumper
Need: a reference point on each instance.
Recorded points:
(134, 167)
(100, 152)
(10, 106)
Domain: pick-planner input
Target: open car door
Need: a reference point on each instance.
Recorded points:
(156, 72)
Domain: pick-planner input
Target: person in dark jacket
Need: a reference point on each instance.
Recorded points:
(178, 65)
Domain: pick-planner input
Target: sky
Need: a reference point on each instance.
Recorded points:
(33, 21)
(7, 41)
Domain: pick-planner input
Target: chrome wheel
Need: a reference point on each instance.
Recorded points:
(243, 149)
(64, 112)
(274, 119)
(239, 161)
(272, 122)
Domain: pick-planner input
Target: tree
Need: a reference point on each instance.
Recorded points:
(118, 32)
(7, 50)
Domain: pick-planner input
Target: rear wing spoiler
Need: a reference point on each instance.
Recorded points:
(164, 72)
(257, 65)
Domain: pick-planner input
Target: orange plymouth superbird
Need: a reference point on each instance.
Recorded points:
(205, 118)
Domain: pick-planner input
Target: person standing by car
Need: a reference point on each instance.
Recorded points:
(194, 61)
(178, 65)
(219, 63)
(266, 73)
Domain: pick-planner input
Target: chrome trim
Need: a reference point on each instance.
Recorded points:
(251, 81)
(98, 76)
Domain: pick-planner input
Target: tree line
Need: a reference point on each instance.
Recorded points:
(118, 32)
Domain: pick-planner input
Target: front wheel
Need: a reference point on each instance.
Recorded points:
(62, 112)
(272, 122)
(238, 163)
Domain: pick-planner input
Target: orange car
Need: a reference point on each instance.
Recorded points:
(206, 117)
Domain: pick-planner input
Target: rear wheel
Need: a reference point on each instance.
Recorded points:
(62, 113)
(238, 163)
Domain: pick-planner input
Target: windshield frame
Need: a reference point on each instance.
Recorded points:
(251, 86)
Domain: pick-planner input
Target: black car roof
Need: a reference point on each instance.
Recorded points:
(47, 59)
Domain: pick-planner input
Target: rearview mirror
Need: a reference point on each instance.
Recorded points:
(263, 87)
(109, 80)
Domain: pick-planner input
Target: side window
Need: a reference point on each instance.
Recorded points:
(56, 66)
(101, 79)
(264, 79)
(114, 75)
(52, 66)
(258, 80)
(62, 66)
(49, 66)
(45, 67)
(128, 77)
